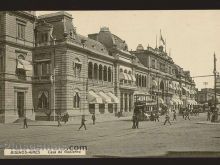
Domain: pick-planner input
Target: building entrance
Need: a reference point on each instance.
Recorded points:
(20, 104)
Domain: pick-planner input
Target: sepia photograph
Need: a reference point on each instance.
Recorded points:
(109, 84)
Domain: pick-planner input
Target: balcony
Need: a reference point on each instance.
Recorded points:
(41, 78)
(131, 85)
(100, 82)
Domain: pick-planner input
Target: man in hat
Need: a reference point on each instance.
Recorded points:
(83, 122)
(25, 122)
(167, 119)
(93, 118)
(174, 115)
(134, 121)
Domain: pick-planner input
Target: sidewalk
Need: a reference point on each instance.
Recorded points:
(77, 120)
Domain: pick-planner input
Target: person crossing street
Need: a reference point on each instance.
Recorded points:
(59, 120)
(187, 114)
(93, 118)
(167, 119)
(208, 115)
(25, 122)
(174, 115)
(83, 122)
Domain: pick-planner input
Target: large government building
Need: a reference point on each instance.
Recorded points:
(47, 68)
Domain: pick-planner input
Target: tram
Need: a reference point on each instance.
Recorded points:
(144, 105)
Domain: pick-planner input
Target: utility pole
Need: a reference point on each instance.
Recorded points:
(215, 78)
(215, 112)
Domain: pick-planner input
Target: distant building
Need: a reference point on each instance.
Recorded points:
(207, 94)
(47, 68)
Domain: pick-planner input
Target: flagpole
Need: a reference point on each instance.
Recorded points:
(160, 38)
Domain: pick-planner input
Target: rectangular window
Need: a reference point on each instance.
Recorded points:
(39, 69)
(35, 70)
(153, 64)
(48, 68)
(1, 63)
(44, 69)
(20, 31)
(170, 72)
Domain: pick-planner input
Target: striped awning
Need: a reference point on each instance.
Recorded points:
(129, 77)
(133, 77)
(160, 100)
(93, 98)
(124, 76)
(104, 97)
(170, 102)
(154, 83)
(185, 89)
(114, 98)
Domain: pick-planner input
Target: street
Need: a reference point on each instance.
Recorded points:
(118, 139)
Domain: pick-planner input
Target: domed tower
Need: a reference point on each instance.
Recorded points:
(140, 47)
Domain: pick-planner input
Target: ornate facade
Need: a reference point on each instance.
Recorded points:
(62, 71)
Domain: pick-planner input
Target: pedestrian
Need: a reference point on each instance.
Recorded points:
(151, 116)
(208, 115)
(134, 121)
(83, 122)
(187, 114)
(174, 115)
(157, 116)
(66, 117)
(25, 122)
(59, 120)
(184, 111)
(93, 118)
(137, 121)
(167, 119)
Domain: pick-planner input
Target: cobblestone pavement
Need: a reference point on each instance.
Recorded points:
(118, 139)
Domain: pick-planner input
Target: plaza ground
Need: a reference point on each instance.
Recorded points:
(118, 139)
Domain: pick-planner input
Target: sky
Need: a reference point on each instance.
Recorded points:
(192, 37)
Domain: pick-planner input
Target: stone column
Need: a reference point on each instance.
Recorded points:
(132, 102)
(92, 71)
(122, 102)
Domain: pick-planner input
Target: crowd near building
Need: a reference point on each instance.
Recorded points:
(47, 68)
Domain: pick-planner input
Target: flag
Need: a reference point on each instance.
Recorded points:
(161, 38)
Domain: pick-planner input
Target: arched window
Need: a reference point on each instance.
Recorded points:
(109, 74)
(95, 71)
(142, 78)
(76, 100)
(145, 81)
(137, 81)
(105, 73)
(125, 81)
(43, 100)
(100, 72)
(90, 69)
(77, 67)
(161, 85)
(139, 77)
